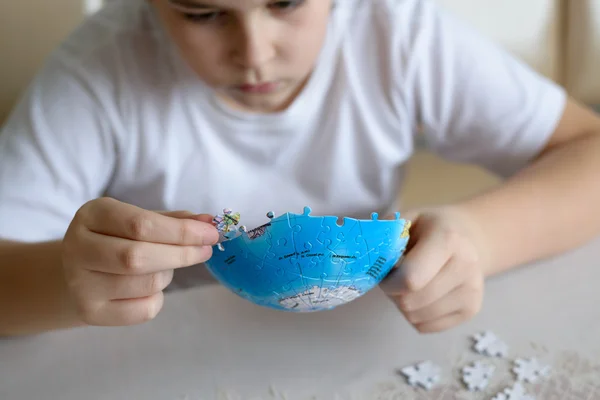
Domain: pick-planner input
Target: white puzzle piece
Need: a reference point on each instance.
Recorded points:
(530, 370)
(488, 344)
(477, 375)
(516, 392)
(425, 374)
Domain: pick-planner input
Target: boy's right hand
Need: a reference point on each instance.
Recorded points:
(119, 258)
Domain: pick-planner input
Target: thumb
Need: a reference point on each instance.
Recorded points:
(411, 215)
(390, 283)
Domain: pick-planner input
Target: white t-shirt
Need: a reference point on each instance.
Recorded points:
(116, 112)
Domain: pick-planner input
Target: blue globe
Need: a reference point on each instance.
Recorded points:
(304, 263)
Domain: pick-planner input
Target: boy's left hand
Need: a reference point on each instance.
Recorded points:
(440, 282)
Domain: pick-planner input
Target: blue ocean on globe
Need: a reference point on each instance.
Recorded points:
(304, 263)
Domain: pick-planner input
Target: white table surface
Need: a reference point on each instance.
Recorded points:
(210, 344)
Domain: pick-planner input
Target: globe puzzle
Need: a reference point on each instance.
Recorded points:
(304, 263)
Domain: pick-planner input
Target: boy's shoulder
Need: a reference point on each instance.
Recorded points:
(118, 54)
(392, 15)
(122, 30)
(398, 28)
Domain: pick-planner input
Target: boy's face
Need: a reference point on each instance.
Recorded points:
(257, 54)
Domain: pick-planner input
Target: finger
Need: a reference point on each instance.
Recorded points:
(420, 265)
(442, 324)
(123, 312)
(176, 214)
(122, 287)
(206, 218)
(459, 299)
(114, 218)
(129, 257)
(450, 277)
(411, 215)
(189, 215)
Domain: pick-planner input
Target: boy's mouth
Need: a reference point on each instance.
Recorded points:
(259, 88)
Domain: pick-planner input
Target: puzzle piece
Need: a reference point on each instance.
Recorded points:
(226, 225)
(406, 231)
(487, 343)
(425, 374)
(387, 241)
(325, 234)
(227, 222)
(530, 370)
(327, 248)
(477, 375)
(301, 248)
(516, 392)
(317, 295)
(340, 242)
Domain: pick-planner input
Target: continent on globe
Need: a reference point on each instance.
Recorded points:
(320, 297)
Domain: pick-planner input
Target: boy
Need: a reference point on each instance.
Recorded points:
(261, 105)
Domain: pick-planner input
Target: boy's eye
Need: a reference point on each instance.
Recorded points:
(203, 17)
(286, 5)
(213, 16)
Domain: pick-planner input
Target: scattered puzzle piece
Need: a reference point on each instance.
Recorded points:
(516, 392)
(488, 344)
(425, 374)
(530, 370)
(477, 375)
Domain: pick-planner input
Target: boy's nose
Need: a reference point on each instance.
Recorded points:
(254, 48)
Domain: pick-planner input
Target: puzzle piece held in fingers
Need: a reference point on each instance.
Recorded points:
(226, 224)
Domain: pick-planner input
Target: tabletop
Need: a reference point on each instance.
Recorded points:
(209, 344)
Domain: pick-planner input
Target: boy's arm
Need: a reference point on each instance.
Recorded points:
(479, 104)
(552, 205)
(33, 293)
(57, 151)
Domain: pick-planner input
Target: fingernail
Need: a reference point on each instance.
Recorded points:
(202, 218)
(210, 236)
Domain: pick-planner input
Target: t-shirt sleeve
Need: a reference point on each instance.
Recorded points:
(56, 153)
(475, 102)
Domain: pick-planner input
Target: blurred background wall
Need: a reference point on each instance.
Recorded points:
(29, 30)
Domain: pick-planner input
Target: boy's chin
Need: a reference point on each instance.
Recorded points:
(259, 103)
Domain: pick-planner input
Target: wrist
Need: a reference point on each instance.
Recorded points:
(474, 227)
